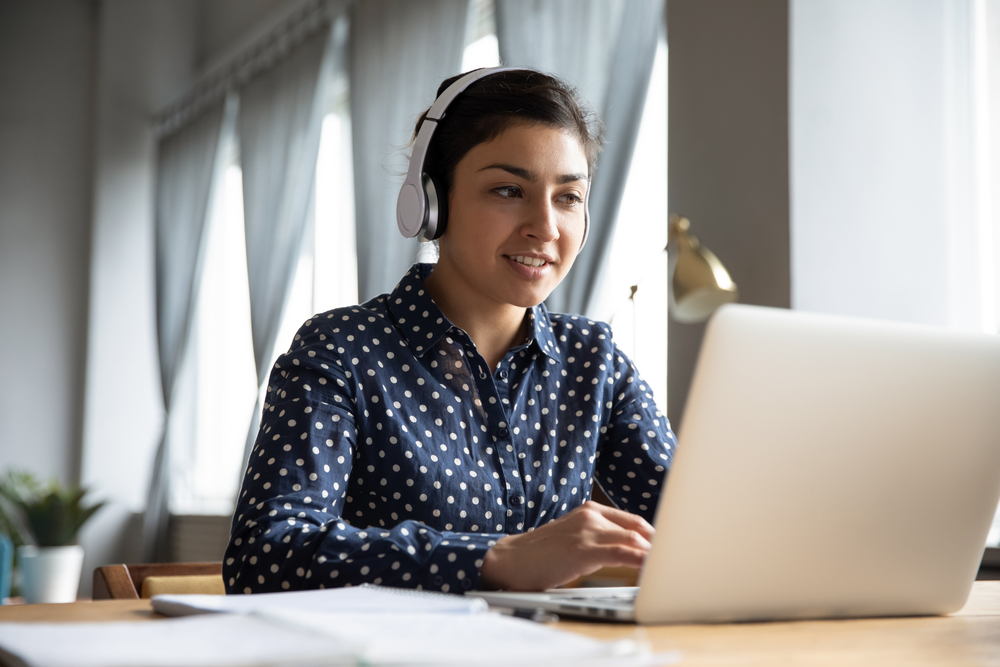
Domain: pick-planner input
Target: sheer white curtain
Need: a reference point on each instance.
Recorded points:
(892, 188)
(606, 48)
(281, 114)
(400, 52)
(189, 163)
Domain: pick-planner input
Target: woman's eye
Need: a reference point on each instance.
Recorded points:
(508, 191)
(571, 198)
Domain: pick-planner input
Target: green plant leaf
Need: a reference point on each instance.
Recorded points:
(48, 517)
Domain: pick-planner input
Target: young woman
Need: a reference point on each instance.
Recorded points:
(447, 435)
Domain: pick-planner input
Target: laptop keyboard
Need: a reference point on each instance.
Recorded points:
(619, 598)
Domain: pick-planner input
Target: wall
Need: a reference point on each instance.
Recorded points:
(47, 52)
(145, 59)
(728, 152)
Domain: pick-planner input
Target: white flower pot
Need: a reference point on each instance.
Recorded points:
(50, 574)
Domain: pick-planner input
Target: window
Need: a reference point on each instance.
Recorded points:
(208, 462)
(986, 121)
(207, 465)
(482, 48)
(637, 256)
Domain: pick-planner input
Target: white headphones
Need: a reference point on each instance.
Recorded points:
(420, 207)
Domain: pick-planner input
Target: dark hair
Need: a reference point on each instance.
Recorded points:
(495, 103)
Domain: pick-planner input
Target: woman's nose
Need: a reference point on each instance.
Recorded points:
(542, 223)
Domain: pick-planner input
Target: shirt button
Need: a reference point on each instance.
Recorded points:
(503, 432)
(438, 580)
(256, 531)
(516, 500)
(466, 584)
(503, 375)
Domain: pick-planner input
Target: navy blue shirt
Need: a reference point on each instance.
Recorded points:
(390, 453)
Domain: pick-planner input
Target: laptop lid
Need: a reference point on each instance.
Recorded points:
(827, 467)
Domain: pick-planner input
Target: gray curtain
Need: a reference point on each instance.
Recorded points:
(400, 52)
(606, 49)
(187, 165)
(281, 114)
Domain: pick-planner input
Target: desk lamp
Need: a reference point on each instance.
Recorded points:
(699, 283)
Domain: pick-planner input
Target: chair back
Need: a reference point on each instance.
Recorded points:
(130, 582)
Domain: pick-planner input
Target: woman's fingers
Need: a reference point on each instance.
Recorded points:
(628, 538)
(624, 519)
(588, 538)
(620, 555)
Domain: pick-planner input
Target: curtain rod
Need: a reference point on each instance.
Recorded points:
(252, 61)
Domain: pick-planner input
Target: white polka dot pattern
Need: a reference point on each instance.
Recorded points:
(389, 452)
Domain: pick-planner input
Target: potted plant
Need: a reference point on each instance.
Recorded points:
(45, 520)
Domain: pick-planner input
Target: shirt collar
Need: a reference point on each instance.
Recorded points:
(409, 301)
(544, 337)
(419, 319)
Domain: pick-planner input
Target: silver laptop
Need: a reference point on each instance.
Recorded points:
(826, 468)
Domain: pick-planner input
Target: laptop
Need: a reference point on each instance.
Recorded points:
(826, 467)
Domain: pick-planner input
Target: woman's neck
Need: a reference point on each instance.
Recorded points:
(493, 327)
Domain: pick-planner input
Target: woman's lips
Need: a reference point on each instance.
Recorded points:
(525, 265)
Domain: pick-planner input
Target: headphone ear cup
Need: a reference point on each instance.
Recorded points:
(437, 208)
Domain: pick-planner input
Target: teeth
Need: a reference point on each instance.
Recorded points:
(529, 261)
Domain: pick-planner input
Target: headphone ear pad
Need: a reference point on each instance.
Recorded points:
(437, 199)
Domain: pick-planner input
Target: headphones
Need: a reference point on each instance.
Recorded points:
(421, 208)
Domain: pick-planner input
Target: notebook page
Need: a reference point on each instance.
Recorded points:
(355, 599)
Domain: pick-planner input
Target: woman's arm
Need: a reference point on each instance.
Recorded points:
(289, 531)
(637, 446)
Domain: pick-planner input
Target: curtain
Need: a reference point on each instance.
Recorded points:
(606, 49)
(281, 115)
(400, 52)
(188, 162)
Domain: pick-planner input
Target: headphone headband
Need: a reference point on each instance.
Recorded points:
(419, 206)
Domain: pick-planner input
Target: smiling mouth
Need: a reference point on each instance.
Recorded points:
(528, 261)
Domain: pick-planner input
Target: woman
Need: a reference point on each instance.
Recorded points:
(447, 435)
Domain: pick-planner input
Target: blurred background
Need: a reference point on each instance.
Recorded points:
(183, 183)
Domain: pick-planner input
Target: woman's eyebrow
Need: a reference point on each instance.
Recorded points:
(520, 172)
(530, 176)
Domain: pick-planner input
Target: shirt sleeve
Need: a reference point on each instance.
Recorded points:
(289, 532)
(637, 446)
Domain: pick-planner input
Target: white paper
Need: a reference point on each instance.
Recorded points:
(224, 640)
(355, 599)
(420, 640)
(279, 638)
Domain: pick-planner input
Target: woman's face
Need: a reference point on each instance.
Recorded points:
(516, 215)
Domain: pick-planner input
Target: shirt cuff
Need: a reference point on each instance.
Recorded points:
(454, 567)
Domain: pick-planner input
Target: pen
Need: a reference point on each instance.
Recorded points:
(536, 614)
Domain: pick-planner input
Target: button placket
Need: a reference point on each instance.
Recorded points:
(514, 487)
(497, 422)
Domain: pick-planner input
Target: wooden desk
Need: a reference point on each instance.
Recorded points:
(969, 637)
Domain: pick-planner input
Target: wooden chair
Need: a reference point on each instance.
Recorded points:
(130, 582)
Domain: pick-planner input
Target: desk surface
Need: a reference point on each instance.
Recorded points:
(969, 637)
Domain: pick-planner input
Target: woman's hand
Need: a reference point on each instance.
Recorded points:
(590, 537)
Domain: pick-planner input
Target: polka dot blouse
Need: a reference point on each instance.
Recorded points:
(390, 453)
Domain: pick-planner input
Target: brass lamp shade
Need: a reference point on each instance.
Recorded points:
(699, 283)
